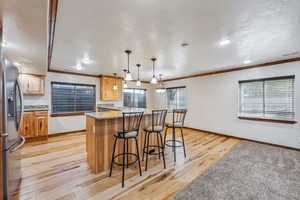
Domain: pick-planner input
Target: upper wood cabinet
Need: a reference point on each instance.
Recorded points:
(33, 84)
(107, 92)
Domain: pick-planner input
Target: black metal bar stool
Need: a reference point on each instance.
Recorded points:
(158, 125)
(131, 127)
(177, 122)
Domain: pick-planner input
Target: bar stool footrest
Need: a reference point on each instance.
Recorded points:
(178, 143)
(125, 154)
(155, 152)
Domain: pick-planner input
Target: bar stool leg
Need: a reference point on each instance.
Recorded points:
(123, 173)
(165, 136)
(147, 151)
(163, 150)
(158, 148)
(127, 155)
(183, 142)
(174, 143)
(145, 140)
(112, 157)
(138, 154)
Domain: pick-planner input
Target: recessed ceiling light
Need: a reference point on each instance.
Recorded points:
(79, 66)
(247, 61)
(224, 42)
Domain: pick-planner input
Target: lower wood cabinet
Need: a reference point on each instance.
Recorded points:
(35, 124)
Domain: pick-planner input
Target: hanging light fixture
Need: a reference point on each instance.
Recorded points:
(153, 80)
(138, 83)
(115, 87)
(128, 76)
(161, 88)
(125, 82)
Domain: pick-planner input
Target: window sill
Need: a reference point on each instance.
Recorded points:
(268, 120)
(66, 114)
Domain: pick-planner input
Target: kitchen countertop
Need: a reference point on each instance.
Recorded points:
(117, 114)
(36, 108)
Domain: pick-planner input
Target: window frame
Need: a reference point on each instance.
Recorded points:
(266, 119)
(60, 114)
(134, 95)
(177, 106)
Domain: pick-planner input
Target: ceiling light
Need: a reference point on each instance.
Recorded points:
(115, 86)
(161, 88)
(224, 42)
(138, 83)
(247, 61)
(153, 80)
(79, 66)
(128, 76)
(125, 85)
(86, 59)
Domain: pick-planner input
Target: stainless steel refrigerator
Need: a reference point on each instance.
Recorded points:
(11, 117)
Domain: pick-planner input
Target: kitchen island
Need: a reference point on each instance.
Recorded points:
(101, 127)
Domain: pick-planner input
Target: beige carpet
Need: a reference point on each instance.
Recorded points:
(251, 171)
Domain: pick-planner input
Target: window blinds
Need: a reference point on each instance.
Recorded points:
(72, 98)
(271, 98)
(135, 98)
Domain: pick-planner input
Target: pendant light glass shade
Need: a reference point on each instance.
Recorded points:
(161, 88)
(115, 86)
(128, 76)
(139, 83)
(125, 85)
(154, 80)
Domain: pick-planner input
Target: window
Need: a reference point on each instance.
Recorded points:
(270, 98)
(176, 98)
(135, 98)
(72, 98)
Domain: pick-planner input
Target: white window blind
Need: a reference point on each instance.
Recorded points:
(72, 98)
(176, 98)
(270, 98)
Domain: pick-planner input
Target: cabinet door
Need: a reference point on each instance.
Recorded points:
(118, 92)
(28, 125)
(32, 84)
(41, 126)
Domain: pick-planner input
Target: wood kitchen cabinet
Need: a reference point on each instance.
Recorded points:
(35, 124)
(32, 84)
(107, 92)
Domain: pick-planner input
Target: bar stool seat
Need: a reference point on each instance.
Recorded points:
(176, 125)
(126, 134)
(154, 129)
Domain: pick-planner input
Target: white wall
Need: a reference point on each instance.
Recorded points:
(212, 103)
(72, 123)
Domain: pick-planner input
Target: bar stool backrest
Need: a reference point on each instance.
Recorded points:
(132, 121)
(158, 118)
(179, 116)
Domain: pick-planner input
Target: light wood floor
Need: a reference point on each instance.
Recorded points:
(57, 169)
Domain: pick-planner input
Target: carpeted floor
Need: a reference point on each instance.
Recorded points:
(250, 171)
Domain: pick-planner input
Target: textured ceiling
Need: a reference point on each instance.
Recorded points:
(259, 30)
(25, 34)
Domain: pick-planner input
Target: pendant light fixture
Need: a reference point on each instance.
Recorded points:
(138, 83)
(153, 80)
(115, 87)
(128, 76)
(161, 88)
(125, 82)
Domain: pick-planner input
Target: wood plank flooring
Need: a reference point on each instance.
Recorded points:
(57, 169)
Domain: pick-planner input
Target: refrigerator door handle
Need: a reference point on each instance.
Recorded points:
(19, 146)
(21, 101)
(4, 134)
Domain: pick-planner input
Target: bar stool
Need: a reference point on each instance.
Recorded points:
(131, 127)
(177, 122)
(158, 124)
